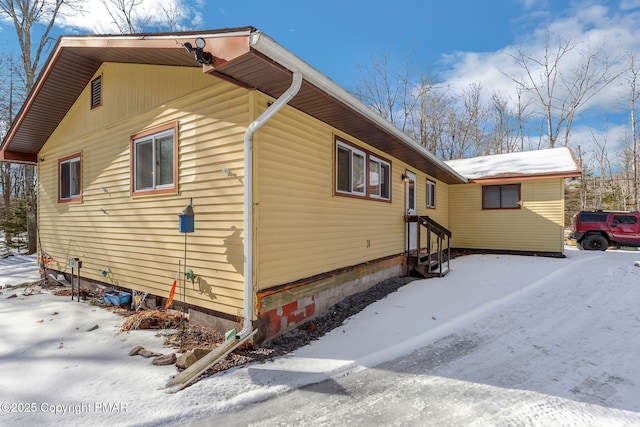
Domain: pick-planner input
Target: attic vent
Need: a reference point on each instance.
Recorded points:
(96, 92)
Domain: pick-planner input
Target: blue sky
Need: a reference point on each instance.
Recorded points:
(460, 42)
(339, 36)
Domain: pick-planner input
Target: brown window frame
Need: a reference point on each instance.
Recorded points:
(68, 159)
(368, 157)
(93, 89)
(132, 150)
(519, 203)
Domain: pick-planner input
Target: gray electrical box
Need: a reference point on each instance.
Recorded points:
(75, 263)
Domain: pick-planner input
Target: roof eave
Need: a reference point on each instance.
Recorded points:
(525, 177)
(265, 45)
(137, 41)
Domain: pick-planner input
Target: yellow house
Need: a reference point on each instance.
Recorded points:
(301, 194)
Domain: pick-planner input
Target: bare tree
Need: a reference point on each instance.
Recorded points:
(130, 17)
(27, 16)
(559, 88)
(173, 16)
(391, 92)
(473, 119)
(125, 17)
(634, 95)
(432, 118)
(503, 137)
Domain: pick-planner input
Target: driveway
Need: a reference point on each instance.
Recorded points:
(563, 353)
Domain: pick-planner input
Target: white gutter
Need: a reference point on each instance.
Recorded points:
(248, 198)
(265, 45)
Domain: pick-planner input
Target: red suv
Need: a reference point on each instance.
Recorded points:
(596, 231)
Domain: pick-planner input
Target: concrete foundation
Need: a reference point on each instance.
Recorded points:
(284, 308)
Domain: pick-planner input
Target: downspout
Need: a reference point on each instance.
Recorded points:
(248, 198)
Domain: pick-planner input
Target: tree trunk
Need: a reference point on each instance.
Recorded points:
(32, 217)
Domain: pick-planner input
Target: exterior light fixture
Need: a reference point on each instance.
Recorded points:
(200, 43)
(202, 57)
(404, 177)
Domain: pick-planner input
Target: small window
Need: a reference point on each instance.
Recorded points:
(379, 173)
(431, 194)
(360, 173)
(501, 196)
(96, 92)
(154, 160)
(624, 219)
(350, 170)
(69, 178)
(593, 217)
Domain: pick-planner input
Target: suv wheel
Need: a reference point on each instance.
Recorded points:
(595, 242)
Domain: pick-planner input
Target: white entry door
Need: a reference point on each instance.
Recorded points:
(410, 202)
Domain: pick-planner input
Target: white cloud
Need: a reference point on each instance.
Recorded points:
(94, 16)
(529, 4)
(629, 4)
(589, 30)
(602, 118)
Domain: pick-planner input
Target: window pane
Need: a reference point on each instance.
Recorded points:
(358, 173)
(431, 194)
(374, 178)
(385, 183)
(510, 196)
(343, 170)
(143, 165)
(69, 182)
(74, 172)
(412, 196)
(64, 181)
(164, 160)
(626, 219)
(491, 195)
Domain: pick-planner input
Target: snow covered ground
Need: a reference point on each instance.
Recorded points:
(58, 370)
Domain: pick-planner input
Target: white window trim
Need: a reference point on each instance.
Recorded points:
(388, 184)
(352, 150)
(69, 161)
(152, 137)
(431, 200)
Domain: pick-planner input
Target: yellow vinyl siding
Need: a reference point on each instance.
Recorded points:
(136, 239)
(303, 229)
(537, 226)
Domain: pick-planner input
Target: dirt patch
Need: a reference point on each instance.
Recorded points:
(187, 336)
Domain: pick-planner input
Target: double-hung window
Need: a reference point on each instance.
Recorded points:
(69, 178)
(153, 160)
(501, 196)
(359, 173)
(431, 194)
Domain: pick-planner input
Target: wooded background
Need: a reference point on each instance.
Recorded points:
(552, 88)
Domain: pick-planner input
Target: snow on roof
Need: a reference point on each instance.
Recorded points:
(553, 161)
